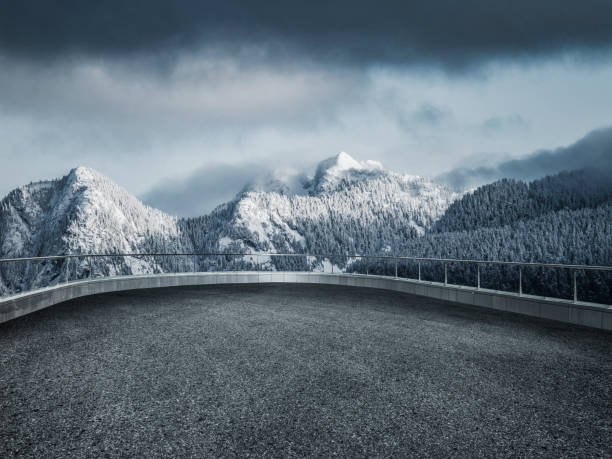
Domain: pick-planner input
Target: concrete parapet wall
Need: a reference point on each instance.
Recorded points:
(586, 314)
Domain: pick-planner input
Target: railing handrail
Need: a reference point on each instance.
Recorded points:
(319, 255)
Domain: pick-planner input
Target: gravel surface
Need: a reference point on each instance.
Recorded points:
(295, 370)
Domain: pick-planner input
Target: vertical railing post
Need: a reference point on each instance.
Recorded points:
(419, 270)
(445, 274)
(36, 276)
(478, 275)
(575, 287)
(194, 261)
(90, 267)
(520, 280)
(67, 272)
(396, 269)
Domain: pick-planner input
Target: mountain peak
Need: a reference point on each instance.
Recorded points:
(83, 173)
(339, 166)
(344, 162)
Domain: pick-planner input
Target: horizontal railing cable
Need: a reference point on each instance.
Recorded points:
(255, 258)
(315, 255)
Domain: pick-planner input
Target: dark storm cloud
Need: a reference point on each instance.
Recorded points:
(453, 33)
(593, 151)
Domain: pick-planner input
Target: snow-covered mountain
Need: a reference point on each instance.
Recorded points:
(348, 206)
(83, 212)
(345, 207)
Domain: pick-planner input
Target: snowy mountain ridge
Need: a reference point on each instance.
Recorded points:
(348, 206)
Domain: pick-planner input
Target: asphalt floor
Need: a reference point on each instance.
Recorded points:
(298, 370)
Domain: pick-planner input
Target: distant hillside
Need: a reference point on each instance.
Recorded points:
(508, 201)
(565, 218)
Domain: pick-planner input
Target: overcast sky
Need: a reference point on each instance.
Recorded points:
(202, 95)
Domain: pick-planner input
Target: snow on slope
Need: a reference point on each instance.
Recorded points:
(342, 166)
(107, 219)
(88, 212)
(349, 206)
(83, 212)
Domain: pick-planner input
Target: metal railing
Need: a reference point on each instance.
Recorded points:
(95, 265)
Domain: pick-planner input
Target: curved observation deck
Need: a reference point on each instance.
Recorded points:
(295, 369)
(568, 311)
